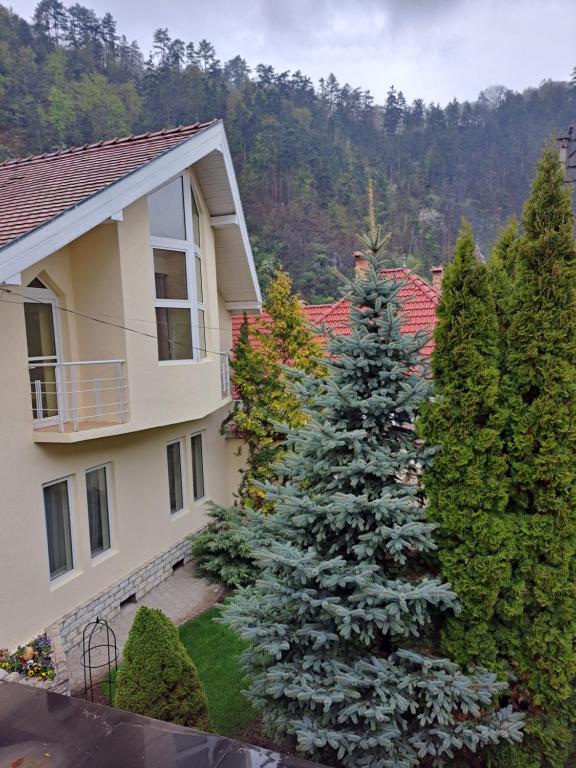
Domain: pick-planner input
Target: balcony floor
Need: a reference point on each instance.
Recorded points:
(83, 426)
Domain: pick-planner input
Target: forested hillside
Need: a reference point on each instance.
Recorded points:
(303, 154)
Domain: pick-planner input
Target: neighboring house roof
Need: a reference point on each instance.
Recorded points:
(47, 201)
(313, 312)
(35, 189)
(419, 300)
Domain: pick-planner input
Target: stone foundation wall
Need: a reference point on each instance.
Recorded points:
(107, 603)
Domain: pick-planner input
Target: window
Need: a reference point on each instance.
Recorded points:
(170, 274)
(174, 333)
(195, 222)
(174, 456)
(166, 211)
(98, 513)
(58, 528)
(197, 467)
(175, 238)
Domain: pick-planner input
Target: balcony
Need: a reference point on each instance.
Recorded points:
(82, 397)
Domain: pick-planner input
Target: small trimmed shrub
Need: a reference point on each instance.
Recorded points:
(157, 677)
(222, 551)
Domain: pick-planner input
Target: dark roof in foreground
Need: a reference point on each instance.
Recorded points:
(46, 729)
(33, 190)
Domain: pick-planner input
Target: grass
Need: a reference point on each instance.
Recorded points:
(215, 650)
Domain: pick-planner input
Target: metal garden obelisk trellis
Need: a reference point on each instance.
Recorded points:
(99, 651)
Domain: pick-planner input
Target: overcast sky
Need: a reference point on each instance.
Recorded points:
(435, 49)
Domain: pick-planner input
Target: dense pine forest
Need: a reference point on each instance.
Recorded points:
(303, 152)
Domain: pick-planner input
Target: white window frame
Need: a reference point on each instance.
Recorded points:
(54, 581)
(191, 250)
(181, 442)
(201, 435)
(106, 552)
(47, 296)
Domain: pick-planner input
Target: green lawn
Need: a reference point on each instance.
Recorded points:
(215, 650)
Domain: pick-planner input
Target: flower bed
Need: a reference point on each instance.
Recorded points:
(32, 660)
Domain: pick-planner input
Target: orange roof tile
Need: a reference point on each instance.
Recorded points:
(34, 190)
(419, 300)
(313, 312)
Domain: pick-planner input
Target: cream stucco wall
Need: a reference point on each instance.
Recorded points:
(141, 523)
(107, 274)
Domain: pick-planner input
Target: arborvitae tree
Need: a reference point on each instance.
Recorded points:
(540, 390)
(466, 483)
(501, 269)
(157, 678)
(342, 652)
(265, 401)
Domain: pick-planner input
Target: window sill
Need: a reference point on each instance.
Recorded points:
(66, 578)
(178, 515)
(103, 557)
(163, 363)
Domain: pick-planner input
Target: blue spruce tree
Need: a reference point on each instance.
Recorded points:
(343, 621)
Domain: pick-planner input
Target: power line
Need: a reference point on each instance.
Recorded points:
(103, 322)
(117, 317)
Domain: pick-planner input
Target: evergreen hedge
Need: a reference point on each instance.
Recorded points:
(466, 483)
(503, 483)
(539, 603)
(157, 678)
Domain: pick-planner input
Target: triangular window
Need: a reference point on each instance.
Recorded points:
(37, 283)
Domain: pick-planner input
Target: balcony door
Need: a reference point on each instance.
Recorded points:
(42, 337)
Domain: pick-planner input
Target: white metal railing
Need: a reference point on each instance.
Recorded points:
(80, 395)
(225, 374)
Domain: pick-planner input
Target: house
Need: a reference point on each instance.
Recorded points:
(419, 300)
(121, 264)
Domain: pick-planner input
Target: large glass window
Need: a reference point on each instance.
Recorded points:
(179, 289)
(195, 221)
(166, 211)
(42, 355)
(174, 456)
(98, 513)
(199, 288)
(174, 334)
(58, 528)
(170, 274)
(197, 467)
(201, 334)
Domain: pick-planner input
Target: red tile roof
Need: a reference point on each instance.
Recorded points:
(314, 313)
(34, 190)
(418, 298)
(419, 301)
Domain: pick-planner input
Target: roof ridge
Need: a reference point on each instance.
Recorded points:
(424, 285)
(16, 161)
